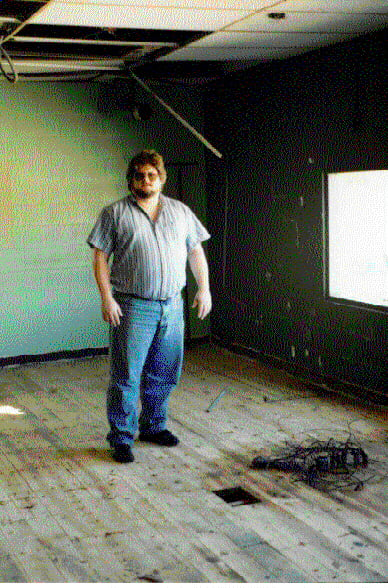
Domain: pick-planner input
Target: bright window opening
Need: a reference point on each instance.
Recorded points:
(6, 409)
(357, 236)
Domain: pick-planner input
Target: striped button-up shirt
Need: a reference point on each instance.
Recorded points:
(149, 258)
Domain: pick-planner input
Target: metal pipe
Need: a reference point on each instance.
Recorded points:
(216, 401)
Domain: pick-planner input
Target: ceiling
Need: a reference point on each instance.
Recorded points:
(172, 38)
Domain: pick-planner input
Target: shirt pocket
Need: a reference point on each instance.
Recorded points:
(173, 233)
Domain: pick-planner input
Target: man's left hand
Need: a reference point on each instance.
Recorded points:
(203, 301)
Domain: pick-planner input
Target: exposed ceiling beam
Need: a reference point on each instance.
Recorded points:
(22, 39)
(78, 65)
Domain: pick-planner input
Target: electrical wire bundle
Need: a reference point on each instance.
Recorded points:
(13, 76)
(321, 464)
(5, 29)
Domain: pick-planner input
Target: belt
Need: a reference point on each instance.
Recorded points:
(128, 295)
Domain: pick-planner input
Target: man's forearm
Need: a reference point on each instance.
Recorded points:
(102, 274)
(199, 267)
(111, 311)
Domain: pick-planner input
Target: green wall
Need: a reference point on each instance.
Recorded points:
(65, 148)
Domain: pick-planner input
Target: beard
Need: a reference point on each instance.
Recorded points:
(145, 193)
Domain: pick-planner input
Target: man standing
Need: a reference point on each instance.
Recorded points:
(151, 238)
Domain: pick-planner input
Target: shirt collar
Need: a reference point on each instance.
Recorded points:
(132, 198)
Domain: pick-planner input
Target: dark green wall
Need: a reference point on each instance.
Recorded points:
(280, 126)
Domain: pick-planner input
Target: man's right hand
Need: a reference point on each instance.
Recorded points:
(111, 312)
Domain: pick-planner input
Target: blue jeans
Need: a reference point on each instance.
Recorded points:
(146, 355)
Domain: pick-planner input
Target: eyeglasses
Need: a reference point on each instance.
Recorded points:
(139, 176)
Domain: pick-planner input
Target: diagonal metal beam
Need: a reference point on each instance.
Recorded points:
(177, 116)
(26, 22)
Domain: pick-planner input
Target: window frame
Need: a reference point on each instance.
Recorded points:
(340, 301)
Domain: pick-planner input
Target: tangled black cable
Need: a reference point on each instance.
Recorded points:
(327, 465)
(13, 78)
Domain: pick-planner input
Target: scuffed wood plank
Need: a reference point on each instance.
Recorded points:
(30, 557)
(70, 513)
(10, 570)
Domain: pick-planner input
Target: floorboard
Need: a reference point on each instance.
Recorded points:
(69, 513)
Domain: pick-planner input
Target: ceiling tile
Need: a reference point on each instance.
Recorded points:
(347, 6)
(232, 54)
(314, 22)
(232, 40)
(251, 5)
(75, 14)
(240, 30)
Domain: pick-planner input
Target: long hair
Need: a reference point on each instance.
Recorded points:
(147, 156)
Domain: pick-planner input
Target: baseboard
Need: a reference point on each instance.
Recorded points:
(78, 353)
(196, 341)
(55, 356)
(323, 383)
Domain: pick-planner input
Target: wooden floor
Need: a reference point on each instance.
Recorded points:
(69, 513)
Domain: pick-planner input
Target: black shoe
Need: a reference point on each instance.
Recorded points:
(163, 438)
(123, 453)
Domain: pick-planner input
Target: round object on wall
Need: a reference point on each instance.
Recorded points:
(142, 112)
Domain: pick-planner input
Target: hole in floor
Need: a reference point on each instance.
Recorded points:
(236, 496)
